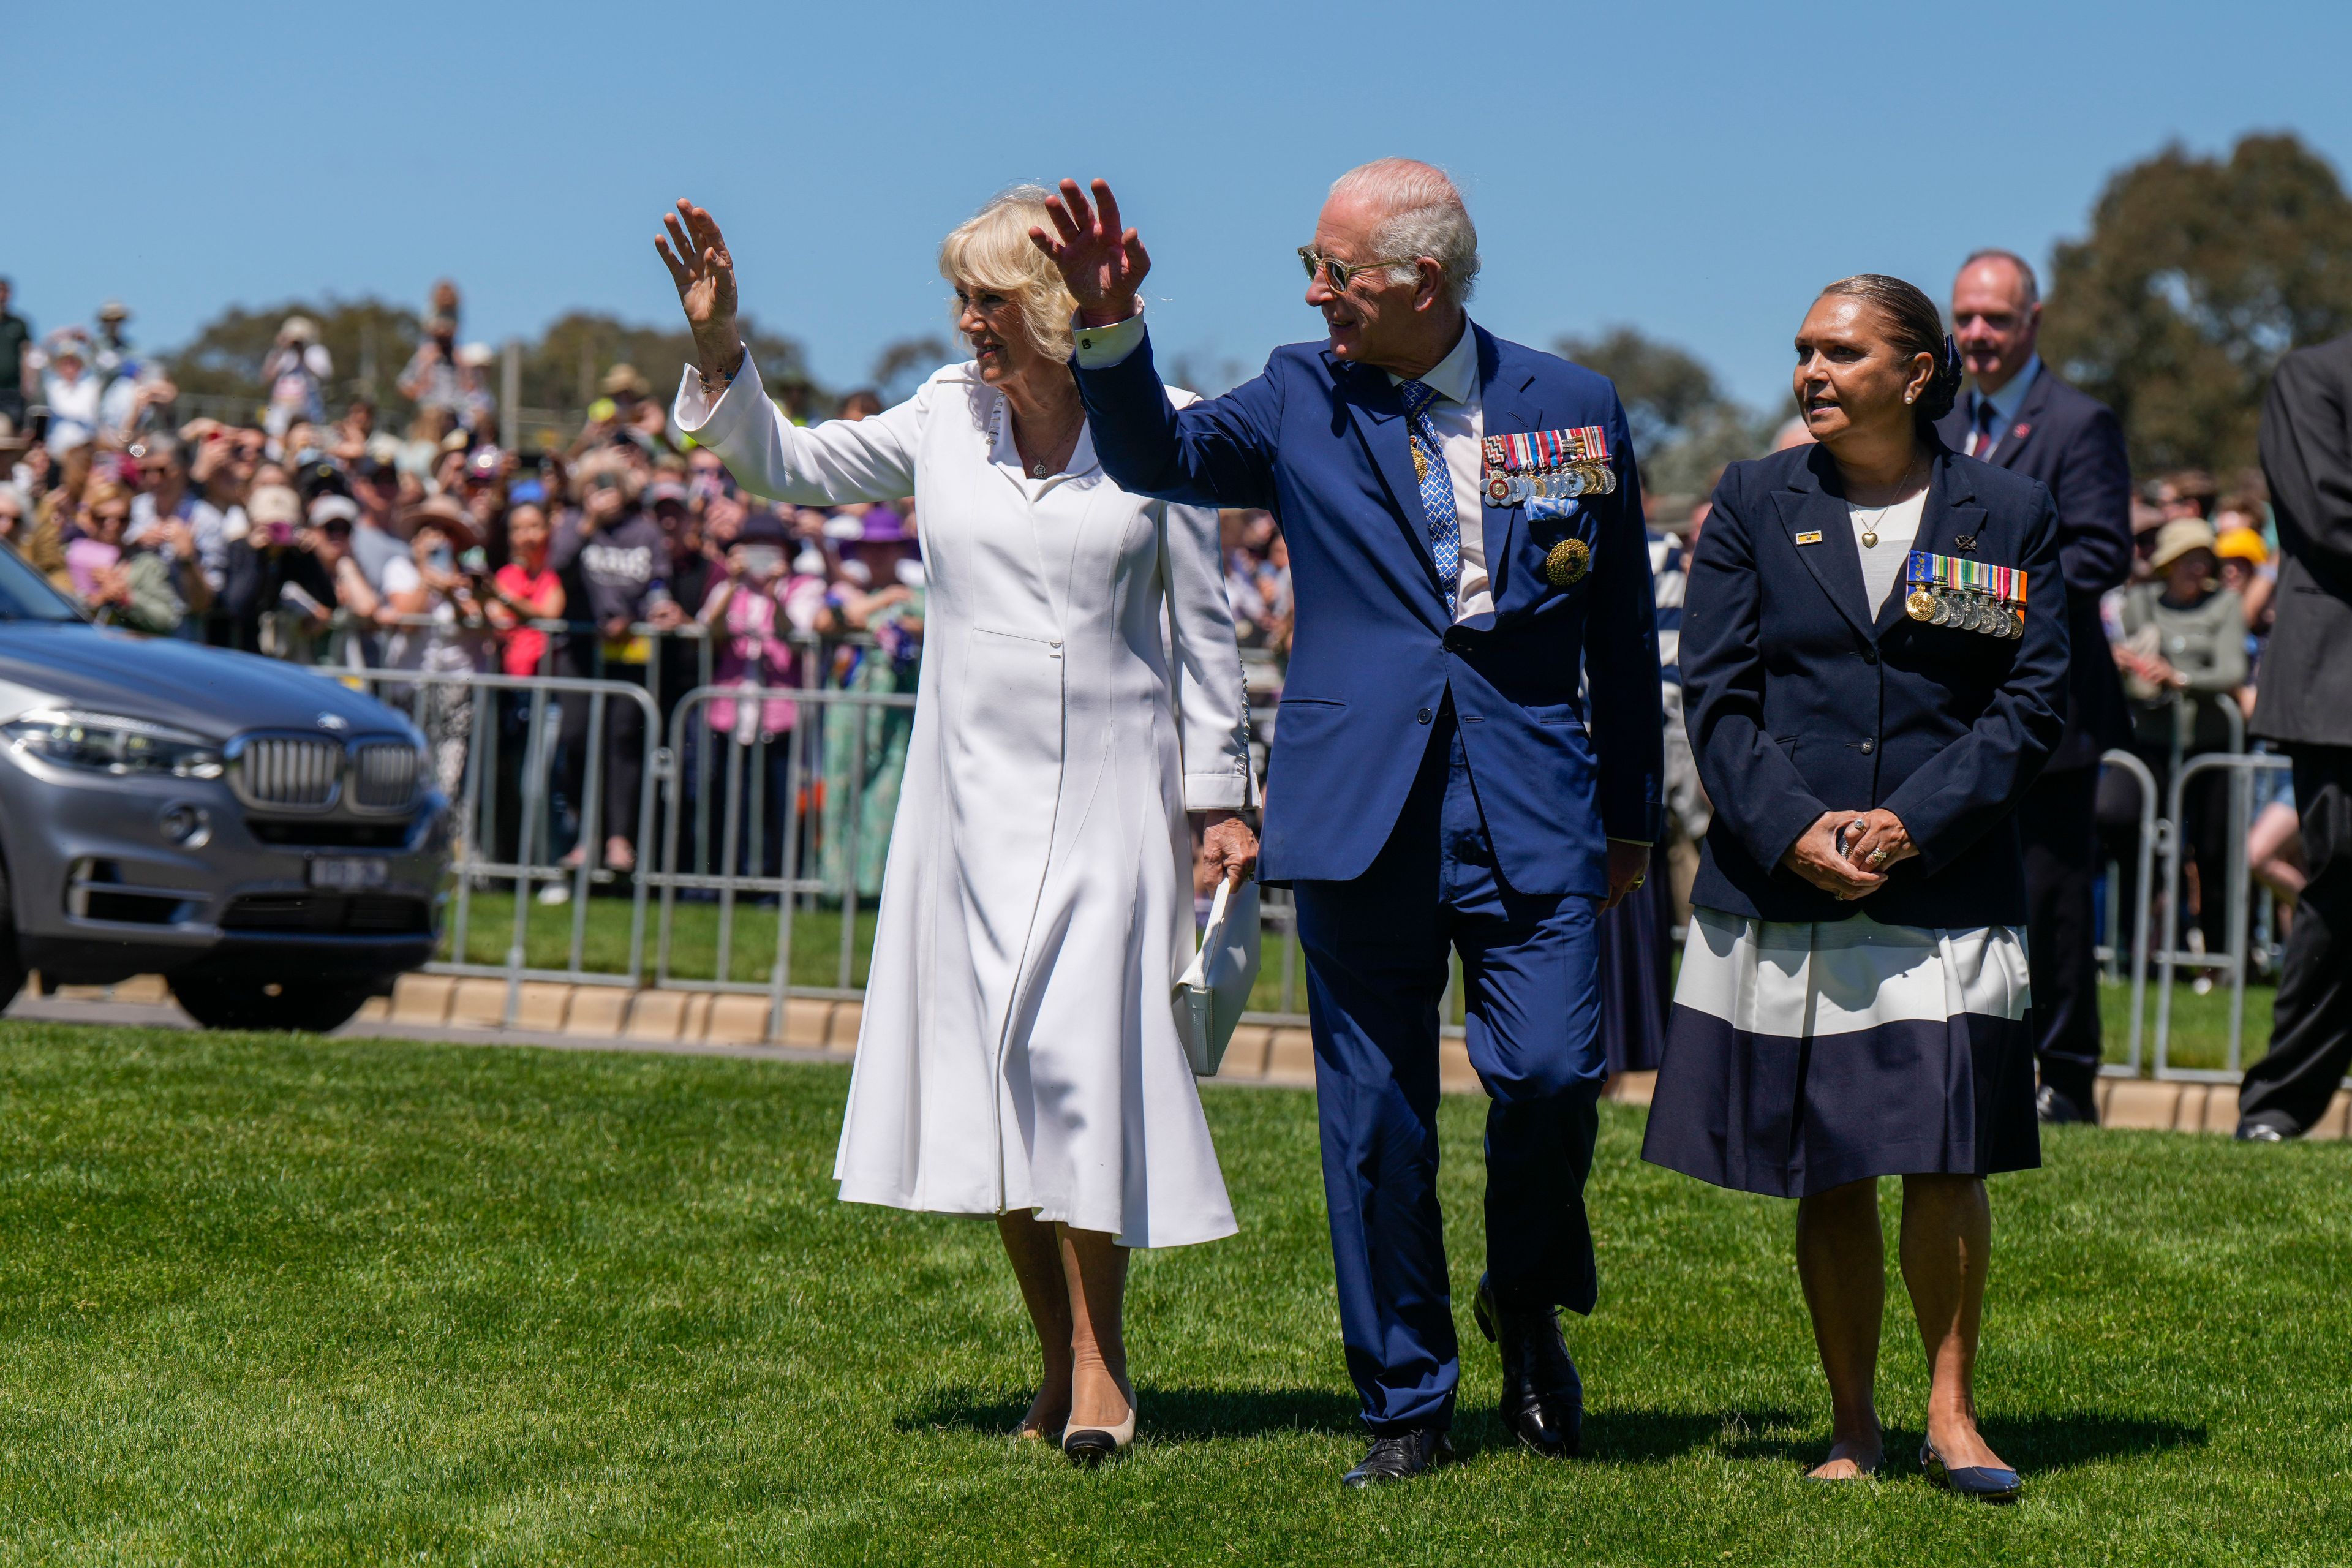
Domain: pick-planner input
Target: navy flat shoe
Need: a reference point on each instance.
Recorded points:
(1987, 1483)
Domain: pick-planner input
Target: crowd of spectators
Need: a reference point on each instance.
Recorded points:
(312, 535)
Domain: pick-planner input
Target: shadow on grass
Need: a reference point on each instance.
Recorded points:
(1173, 1413)
(2036, 1445)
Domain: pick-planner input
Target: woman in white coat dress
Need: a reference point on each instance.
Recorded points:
(1019, 1055)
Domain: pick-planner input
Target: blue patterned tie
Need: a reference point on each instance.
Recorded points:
(1436, 489)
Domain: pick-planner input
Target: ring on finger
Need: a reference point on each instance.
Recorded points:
(1878, 857)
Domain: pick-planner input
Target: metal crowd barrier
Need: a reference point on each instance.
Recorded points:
(738, 841)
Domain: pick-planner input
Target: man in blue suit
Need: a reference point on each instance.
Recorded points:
(1468, 756)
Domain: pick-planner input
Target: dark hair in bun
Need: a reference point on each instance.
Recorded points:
(1914, 326)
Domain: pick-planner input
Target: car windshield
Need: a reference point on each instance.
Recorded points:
(26, 595)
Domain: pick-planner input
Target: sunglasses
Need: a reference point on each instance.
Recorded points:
(1343, 273)
(605, 482)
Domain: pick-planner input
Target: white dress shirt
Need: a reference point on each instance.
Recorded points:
(2005, 405)
(1456, 414)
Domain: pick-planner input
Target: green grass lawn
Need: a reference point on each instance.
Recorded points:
(293, 1300)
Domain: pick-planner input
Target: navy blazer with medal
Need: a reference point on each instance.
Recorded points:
(1799, 701)
(1321, 443)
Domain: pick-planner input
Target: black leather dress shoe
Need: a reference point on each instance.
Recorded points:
(1400, 1458)
(2055, 1107)
(1543, 1399)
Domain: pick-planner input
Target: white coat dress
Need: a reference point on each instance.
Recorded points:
(1076, 696)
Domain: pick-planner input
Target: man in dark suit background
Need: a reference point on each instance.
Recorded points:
(2306, 704)
(2018, 414)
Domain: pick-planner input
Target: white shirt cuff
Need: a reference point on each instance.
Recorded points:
(692, 409)
(1100, 348)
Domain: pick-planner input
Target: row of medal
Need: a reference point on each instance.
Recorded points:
(1972, 596)
(1554, 464)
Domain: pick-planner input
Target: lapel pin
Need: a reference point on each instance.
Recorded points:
(2022, 431)
(1811, 536)
(1964, 542)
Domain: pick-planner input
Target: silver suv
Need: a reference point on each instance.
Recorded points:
(267, 839)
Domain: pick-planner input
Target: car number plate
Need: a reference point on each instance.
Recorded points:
(348, 872)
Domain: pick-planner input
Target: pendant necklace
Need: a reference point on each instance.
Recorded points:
(1870, 529)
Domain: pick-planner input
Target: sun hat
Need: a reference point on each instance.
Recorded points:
(2179, 537)
(2241, 544)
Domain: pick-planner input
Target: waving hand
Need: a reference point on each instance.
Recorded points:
(1101, 263)
(705, 274)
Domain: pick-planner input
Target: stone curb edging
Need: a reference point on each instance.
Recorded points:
(1260, 1053)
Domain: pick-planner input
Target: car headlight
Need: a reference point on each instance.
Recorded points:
(110, 743)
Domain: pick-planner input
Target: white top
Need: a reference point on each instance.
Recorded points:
(1457, 413)
(1882, 563)
(2005, 405)
(1079, 688)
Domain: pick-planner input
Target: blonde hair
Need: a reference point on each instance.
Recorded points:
(991, 249)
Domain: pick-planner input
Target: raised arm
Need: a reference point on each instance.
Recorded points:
(722, 403)
(1215, 452)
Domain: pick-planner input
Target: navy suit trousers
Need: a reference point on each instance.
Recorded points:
(1377, 952)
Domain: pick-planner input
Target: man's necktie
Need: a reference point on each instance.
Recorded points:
(1436, 489)
(1980, 443)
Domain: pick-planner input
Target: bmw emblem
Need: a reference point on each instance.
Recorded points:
(333, 722)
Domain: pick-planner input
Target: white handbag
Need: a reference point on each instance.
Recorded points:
(1214, 990)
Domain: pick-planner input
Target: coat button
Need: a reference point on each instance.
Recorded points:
(1425, 716)
(1867, 747)
(1870, 656)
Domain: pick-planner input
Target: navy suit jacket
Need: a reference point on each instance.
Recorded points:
(1558, 765)
(1799, 701)
(2072, 442)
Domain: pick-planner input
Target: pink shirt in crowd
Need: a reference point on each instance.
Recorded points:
(751, 649)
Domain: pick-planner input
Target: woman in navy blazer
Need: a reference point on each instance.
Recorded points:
(1853, 1000)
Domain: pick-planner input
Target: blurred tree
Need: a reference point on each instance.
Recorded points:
(1686, 428)
(368, 340)
(2197, 275)
(902, 366)
(561, 371)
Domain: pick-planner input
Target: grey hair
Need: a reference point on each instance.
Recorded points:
(1426, 217)
(2024, 268)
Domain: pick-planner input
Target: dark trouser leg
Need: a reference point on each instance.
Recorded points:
(2059, 822)
(624, 755)
(2311, 1026)
(1533, 980)
(1376, 968)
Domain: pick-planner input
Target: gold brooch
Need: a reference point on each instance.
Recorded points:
(1568, 563)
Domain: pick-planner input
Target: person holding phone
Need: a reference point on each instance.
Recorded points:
(752, 611)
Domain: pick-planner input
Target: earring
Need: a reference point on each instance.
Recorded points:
(1910, 397)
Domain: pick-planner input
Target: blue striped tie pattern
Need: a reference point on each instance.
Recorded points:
(1436, 490)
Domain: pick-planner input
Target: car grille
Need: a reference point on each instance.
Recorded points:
(288, 771)
(377, 773)
(383, 775)
(344, 914)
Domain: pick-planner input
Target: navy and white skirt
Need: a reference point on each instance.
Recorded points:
(1802, 1056)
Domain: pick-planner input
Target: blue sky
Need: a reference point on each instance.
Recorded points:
(1696, 170)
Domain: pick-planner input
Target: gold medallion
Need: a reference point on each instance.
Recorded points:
(1920, 605)
(1420, 464)
(1568, 563)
